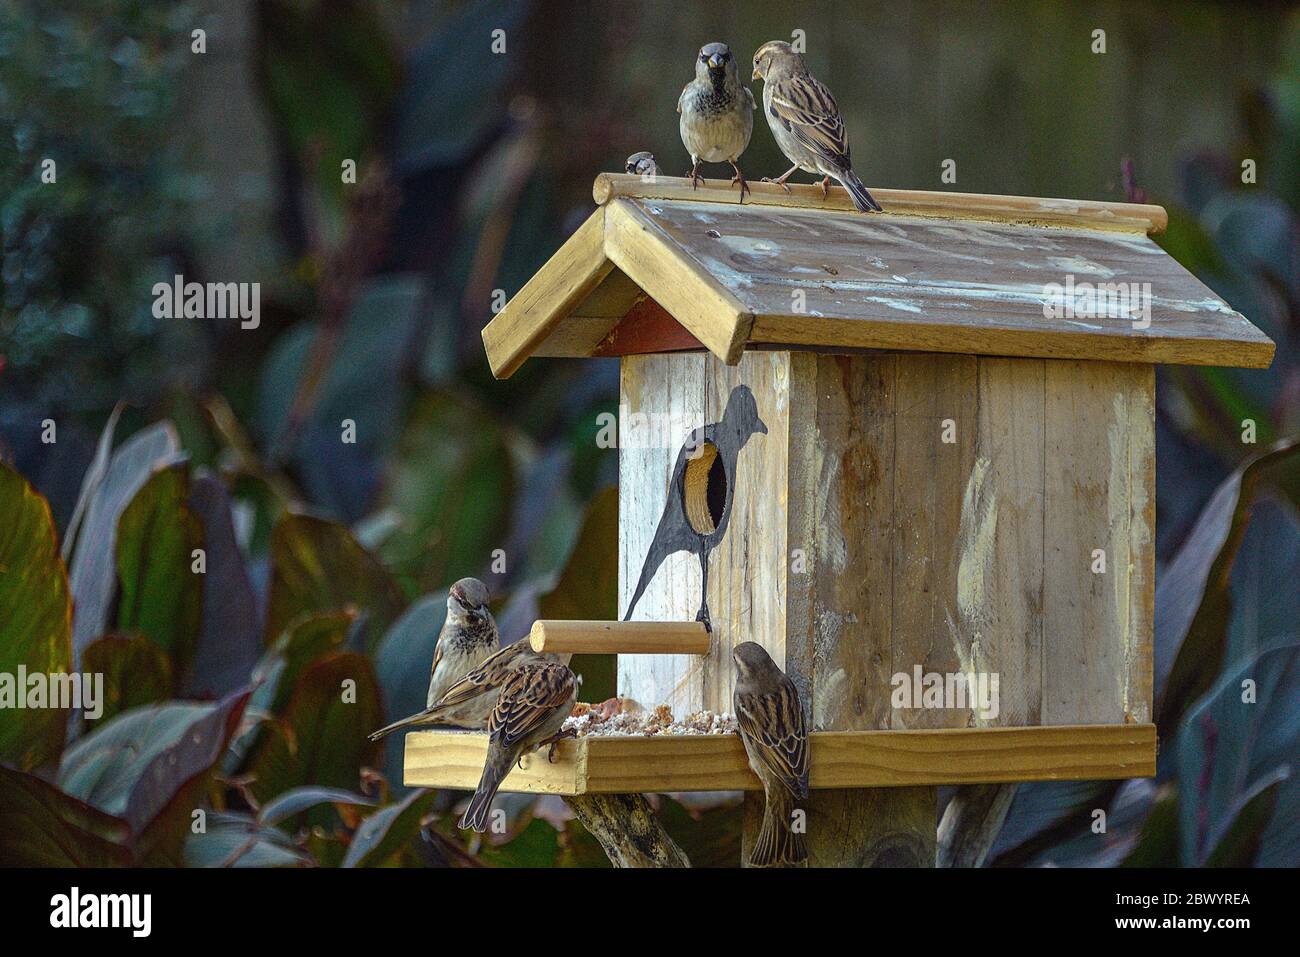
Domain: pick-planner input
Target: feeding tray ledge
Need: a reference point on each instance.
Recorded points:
(615, 764)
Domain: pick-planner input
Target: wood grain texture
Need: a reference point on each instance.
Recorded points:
(1095, 214)
(846, 280)
(699, 301)
(838, 760)
(1098, 494)
(628, 830)
(747, 571)
(567, 278)
(620, 637)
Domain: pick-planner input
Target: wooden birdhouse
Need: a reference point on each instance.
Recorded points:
(911, 454)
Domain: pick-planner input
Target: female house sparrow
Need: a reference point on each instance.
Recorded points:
(469, 702)
(717, 114)
(468, 636)
(805, 121)
(534, 700)
(642, 164)
(772, 728)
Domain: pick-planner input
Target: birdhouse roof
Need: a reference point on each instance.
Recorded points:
(660, 267)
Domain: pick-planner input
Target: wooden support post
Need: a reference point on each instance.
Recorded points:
(620, 637)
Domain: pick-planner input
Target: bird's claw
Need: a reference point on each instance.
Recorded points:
(695, 177)
(825, 184)
(703, 616)
(779, 182)
(740, 178)
(554, 742)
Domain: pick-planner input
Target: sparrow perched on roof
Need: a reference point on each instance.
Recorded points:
(805, 121)
(468, 636)
(643, 164)
(717, 114)
(534, 700)
(469, 702)
(776, 740)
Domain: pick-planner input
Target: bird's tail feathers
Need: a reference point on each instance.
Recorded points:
(495, 770)
(778, 844)
(427, 716)
(861, 198)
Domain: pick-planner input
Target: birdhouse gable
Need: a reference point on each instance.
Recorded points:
(659, 267)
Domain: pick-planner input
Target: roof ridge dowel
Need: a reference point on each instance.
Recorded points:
(1034, 210)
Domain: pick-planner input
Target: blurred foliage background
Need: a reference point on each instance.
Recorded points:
(329, 561)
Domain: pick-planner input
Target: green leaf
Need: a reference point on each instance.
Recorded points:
(1229, 750)
(1191, 603)
(230, 637)
(384, 834)
(297, 800)
(451, 482)
(238, 840)
(402, 666)
(1236, 842)
(93, 573)
(136, 672)
(322, 738)
(40, 826)
(134, 764)
(35, 620)
(317, 566)
(308, 639)
(162, 598)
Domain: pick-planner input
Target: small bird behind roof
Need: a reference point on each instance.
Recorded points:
(717, 114)
(805, 122)
(776, 740)
(642, 164)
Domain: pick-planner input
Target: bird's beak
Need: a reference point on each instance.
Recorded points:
(458, 594)
(715, 62)
(762, 427)
(757, 75)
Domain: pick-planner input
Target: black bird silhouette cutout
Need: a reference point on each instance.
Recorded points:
(700, 495)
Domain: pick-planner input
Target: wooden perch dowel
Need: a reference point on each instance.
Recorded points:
(621, 637)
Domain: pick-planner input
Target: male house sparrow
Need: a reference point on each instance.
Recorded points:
(468, 636)
(469, 702)
(805, 121)
(772, 728)
(534, 700)
(642, 164)
(717, 114)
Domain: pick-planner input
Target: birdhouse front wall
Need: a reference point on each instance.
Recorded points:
(907, 515)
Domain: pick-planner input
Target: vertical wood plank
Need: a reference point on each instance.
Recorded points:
(669, 391)
(930, 477)
(1099, 458)
(1000, 546)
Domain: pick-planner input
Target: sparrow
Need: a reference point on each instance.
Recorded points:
(772, 728)
(535, 698)
(469, 635)
(805, 122)
(469, 702)
(717, 114)
(643, 164)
